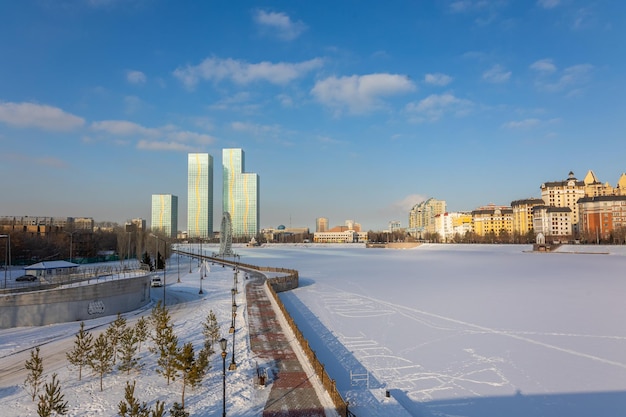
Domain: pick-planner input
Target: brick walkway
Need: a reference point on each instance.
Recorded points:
(292, 394)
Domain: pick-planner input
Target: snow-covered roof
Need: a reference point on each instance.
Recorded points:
(51, 265)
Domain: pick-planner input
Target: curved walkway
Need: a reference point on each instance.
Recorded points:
(292, 394)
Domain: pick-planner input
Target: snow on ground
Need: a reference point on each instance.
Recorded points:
(188, 310)
(465, 330)
(447, 330)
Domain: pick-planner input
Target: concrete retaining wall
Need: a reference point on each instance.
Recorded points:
(84, 302)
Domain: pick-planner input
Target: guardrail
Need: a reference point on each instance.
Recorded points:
(287, 282)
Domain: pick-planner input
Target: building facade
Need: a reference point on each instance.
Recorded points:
(422, 216)
(564, 193)
(523, 215)
(321, 224)
(553, 222)
(199, 195)
(240, 194)
(603, 217)
(492, 219)
(165, 214)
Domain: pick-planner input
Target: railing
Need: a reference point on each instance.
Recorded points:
(286, 282)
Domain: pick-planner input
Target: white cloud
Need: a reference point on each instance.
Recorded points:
(132, 104)
(360, 93)
(135, 77)
(548, 4)
(124, 128)
(433, 107)
(240, 72)
(522, 124)
(496, 74)
(570, 77)
(164, 146)
(437, 79)
(543, 65)
(255, 129)
(279, 25)
(40, 116)
(187, 136)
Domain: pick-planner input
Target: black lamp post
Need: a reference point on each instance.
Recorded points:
(233, 365)
(223, 343)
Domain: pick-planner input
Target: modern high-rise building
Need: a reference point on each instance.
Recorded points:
(240, 194)
(199, 195)
(165, 214)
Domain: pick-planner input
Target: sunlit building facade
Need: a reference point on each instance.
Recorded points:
(165, 214)
(240, 194)
(321, 224)
(199, 195)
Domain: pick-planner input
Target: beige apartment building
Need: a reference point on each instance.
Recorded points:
(523, 215)
(422, 216)
(492, 219)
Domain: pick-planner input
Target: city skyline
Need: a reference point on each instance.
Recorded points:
(356, 114)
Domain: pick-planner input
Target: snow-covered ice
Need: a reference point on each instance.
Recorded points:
(446, 330)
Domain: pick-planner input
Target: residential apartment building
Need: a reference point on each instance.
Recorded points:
(553, 222)
(492, 219)
(345, 236)
(199, 195)
(165, 214)
(240, 194)
(565, 193)
(422, 216)
(523, 215)
(601, 216)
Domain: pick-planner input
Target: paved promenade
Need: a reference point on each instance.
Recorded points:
(292, 394)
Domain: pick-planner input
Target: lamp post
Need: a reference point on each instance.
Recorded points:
(71, 242)
(200, 292)
(232, 317)
(223, 343)
(233, 365)
(7, 257)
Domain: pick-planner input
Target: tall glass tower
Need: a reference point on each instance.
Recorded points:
(200, 195)
(165, 214)
(240, 194)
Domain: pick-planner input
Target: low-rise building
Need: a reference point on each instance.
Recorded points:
(602, 216)
(555, 223)
(492, 219)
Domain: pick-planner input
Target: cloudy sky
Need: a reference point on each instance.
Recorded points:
(346, 109)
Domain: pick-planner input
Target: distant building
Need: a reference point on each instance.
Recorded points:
(600, 216)
(564, 193)
(240, 194)
(554, 223)
(395, 226)
(165, 214)
(523, 215)
(140, 224)
(422, 216)
(321, 224)
(199, 195)
(492, 219)
(345, 236)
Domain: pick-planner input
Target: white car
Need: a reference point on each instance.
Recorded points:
(156, 281)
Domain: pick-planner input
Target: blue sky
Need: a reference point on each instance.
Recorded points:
(346, 109)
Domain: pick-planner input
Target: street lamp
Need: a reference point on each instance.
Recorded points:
(232, 317)
(233, 365)
(7, 257)
(223, 343)
(71, 241)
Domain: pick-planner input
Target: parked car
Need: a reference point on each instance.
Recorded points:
(28, 278)
(156, 281)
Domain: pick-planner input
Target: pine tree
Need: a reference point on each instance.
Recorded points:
(158, 410)
(101, 359)
(131, 407)
(114, 332)
(79, 356)
(211, 330)
(178, 410)
(191, 369)
(52, 399)
(127, 350)
(165, 341)
(34, 379)
(141, 331)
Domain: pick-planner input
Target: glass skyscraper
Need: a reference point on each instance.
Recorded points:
(165, 214)
(240, 194)
(200, 195)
